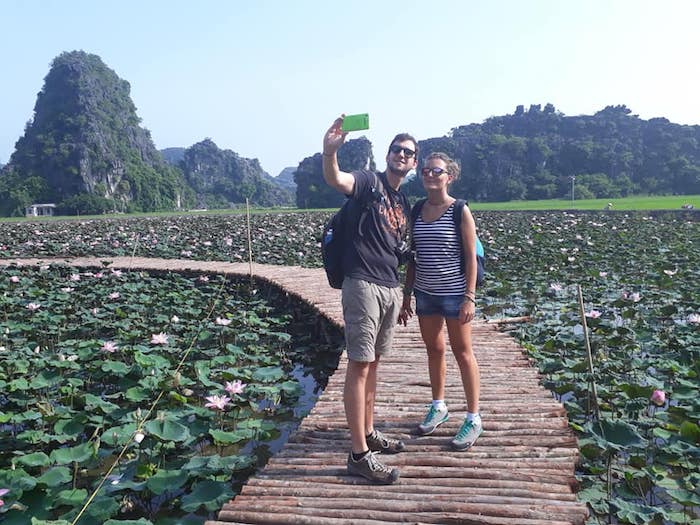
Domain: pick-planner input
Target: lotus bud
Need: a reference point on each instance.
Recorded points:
(658, 397)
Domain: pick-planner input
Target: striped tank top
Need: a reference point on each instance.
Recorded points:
(438, 257)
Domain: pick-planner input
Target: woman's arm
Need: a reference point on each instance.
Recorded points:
(469, 247)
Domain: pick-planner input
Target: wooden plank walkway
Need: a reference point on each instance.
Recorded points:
(521, 471)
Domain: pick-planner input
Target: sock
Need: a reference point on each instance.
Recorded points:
(439, 404)
(358, 457)
(474, 417)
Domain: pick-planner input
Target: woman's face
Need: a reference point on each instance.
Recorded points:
(434, 174)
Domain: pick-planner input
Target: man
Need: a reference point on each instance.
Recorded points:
(370, 295)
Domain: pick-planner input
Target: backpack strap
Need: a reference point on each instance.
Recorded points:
(415, 213)
(374, 194)
(457, 213)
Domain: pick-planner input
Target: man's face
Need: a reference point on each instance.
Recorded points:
(401, 157)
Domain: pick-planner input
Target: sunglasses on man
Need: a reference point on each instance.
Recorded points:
(407, 152)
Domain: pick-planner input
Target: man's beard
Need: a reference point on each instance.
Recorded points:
(398, 172)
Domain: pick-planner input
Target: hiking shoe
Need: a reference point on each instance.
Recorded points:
(378, 442)
(433, 419)
(466, 437)
(369, 467)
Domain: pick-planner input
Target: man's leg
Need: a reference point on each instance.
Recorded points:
(370, 395)
(354, 399)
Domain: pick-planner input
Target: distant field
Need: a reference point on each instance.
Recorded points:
(627, 203)
(624, 204)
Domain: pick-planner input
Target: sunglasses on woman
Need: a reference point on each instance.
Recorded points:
(436, 172)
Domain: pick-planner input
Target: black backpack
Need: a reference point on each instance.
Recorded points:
(457, 219)
(340, 230)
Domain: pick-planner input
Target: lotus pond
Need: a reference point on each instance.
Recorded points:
(636, 415)
(186, 384)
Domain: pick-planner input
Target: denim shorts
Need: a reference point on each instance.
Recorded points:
(447, 306)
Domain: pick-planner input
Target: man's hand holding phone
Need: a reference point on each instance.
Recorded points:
(355, 122)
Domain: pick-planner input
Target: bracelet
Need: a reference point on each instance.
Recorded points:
(328, 154)
(407, 291)
(470, 299)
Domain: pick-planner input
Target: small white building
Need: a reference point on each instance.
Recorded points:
(40, 210)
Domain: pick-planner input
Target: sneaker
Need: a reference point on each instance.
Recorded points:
(378, 442)
(466, 437)
(371, 468)
(433, 419)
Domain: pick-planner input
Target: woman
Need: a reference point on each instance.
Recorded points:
(443, 277)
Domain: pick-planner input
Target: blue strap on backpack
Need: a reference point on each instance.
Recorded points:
(457, 213)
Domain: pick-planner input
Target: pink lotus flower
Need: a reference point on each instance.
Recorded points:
(218, 402)
(75, 277)
(658, 397)
(114, 295)
(159, 339)
(203, 279)
(2, 493)
(593, 314)
(635, 297)
(222, 321)
(32, 307)
(138, 437)
(116, 273)
(603, 274)
(236, 387)
(109, 346)
(670, 273)
(174, 319)
(694, 318)
(67, 289)
(556, 287)
(14, 279)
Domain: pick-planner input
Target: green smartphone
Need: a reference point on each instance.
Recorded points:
(355, 122)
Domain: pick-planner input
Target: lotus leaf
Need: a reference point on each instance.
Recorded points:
(168, 430)
(70, 497)
(36, 459)
(77, 454)
(55, 476)
(115, 367)
(227, 438)
(268, 374)
(166, 480)
(208, 494)
(140, 521)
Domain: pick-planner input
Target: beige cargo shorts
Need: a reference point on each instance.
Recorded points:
(371, 313)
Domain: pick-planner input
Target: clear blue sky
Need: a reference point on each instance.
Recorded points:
(266, 78)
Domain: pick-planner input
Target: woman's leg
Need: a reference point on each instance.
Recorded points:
(431, 331)
(461, 343)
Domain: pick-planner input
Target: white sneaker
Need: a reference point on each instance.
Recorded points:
(433, 419)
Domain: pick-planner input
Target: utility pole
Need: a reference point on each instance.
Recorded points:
(573, 179)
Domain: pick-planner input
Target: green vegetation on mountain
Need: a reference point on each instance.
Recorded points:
(221, 177)
(533, 155)
(84, 145)
(312, 190)
(85, 150)
(285, 178)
